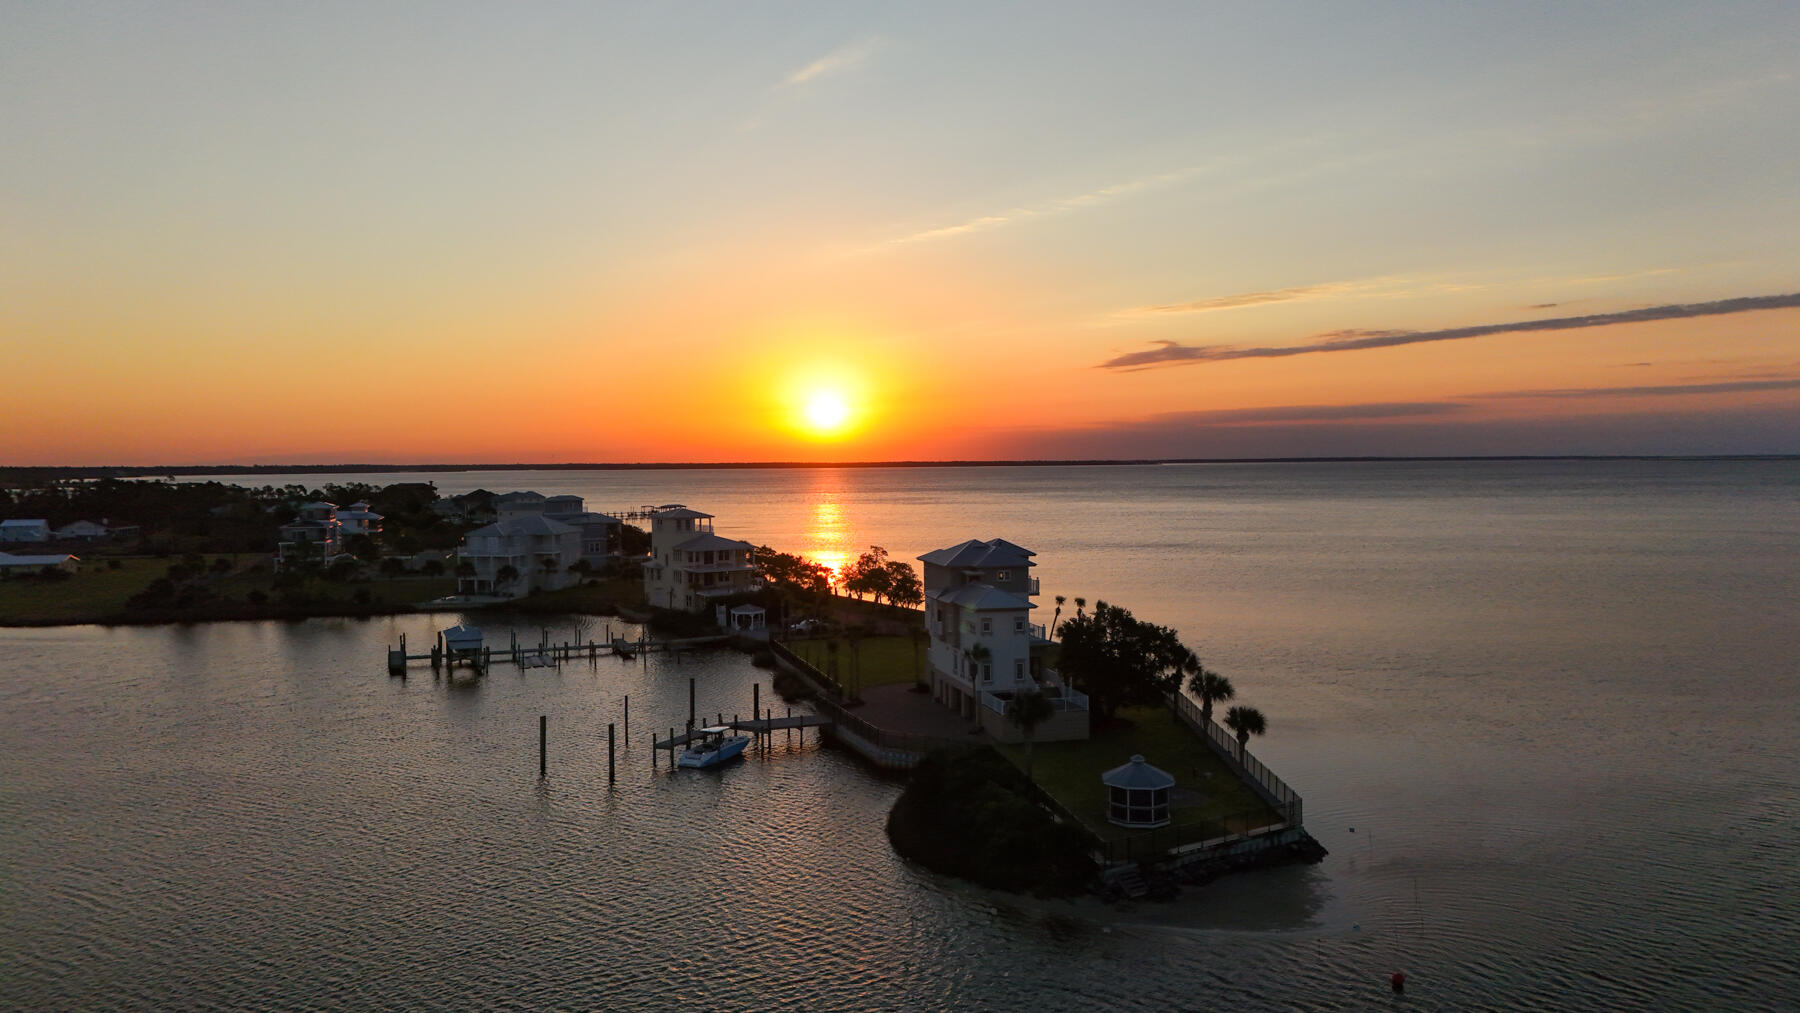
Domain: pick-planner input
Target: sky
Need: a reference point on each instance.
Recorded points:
(459, 232)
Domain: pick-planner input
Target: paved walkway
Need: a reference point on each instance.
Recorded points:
(897, 708)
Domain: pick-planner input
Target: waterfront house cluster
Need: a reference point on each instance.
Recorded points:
(535, 543)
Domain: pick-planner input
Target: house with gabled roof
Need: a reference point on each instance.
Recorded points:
(984, 648)
(519, 555)
(25, 529)
(690, 566)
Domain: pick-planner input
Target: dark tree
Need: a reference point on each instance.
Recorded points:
(903, 586)
(1026, 711)
(1119, 660)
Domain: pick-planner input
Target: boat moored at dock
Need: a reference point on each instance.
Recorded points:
(712, 747)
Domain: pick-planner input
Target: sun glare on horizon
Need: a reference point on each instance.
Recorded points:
(826, 412)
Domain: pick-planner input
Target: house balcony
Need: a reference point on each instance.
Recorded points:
(713, 567)
(1032, 586)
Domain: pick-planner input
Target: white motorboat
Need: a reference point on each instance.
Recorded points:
(712, 747)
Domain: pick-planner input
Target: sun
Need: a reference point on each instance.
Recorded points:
(826, 412)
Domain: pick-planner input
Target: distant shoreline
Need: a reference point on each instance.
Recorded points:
(10, 472)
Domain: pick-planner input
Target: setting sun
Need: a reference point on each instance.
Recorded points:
(826, 412)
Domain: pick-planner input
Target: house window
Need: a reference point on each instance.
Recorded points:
(1000, 576)
(1018, 624)
(1018, 669)
(987, 625)
(987, 673)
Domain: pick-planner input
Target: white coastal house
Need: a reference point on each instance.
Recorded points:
(518, 504)
(358, 519)
(315, 535)
(984, 646)
(25, 530)
(82, 531)
(690, 567)
(519, 555)
(11, 565)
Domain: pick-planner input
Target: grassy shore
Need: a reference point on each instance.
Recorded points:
(102, 593)
(868, 662)
(1205, 788)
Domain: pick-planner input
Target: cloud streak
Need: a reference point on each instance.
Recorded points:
(831, 64)
(1168, 353)
(1664, 390)
(1307, 413)
(1046, 209)
(1299, 293)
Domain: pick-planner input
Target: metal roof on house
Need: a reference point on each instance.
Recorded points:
(8, 559)
(972, 554)
(705, 543)
(530, 524)
(982, 598)
(23, 522)
(318, 504)
(1137, 774)
(678, 512)
(589, 517)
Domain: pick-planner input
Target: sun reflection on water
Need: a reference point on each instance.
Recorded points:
(827, 536)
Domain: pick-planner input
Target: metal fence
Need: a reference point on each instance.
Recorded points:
(1272, 788)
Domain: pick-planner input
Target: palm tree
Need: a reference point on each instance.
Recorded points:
(919, 637)
(1245, 721)
(1209, 686)
(978, 655)
(1080, 603)
(1056, 615)
(506, 575)
(1027, 710)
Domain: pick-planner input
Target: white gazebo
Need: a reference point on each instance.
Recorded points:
(1137, 794)
(747, 618)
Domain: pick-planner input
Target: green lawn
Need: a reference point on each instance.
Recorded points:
(1205, 789)
(100, 592)
(604, 594)
(876, 661)
(95, 591)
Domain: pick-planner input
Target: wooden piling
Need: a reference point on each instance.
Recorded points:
(628, 719)
(690, 704)
(611, 777)
(543, 739)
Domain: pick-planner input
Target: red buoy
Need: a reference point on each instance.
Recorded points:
(1398, 980)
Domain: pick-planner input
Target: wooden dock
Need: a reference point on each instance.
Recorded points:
(543, 654)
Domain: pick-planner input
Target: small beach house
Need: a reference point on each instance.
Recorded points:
(25, 530)
(315, 535)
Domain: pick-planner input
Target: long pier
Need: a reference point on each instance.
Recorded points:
(543, 654)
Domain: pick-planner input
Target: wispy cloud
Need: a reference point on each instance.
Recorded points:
(1306, 413)
(1663, 390)
(1299, 293)
(1168, 353)
(1048, 208)
(836, 62)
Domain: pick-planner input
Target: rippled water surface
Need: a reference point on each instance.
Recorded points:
(1544, 716)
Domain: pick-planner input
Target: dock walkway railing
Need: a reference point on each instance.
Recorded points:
(830, 703)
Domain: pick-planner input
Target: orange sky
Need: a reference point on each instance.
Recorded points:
(578, 238)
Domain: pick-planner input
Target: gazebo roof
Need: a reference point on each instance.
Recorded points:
(1137, 774)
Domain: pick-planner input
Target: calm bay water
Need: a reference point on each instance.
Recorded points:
(1543, 714)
